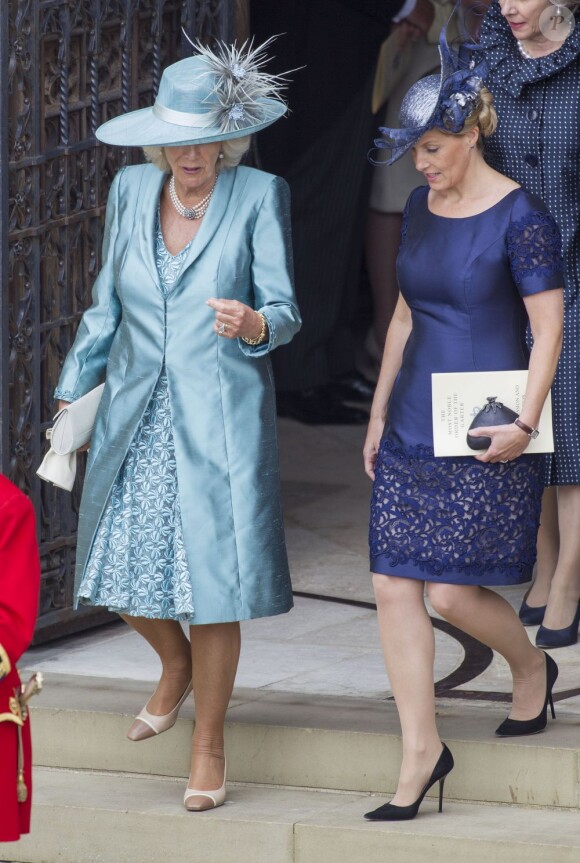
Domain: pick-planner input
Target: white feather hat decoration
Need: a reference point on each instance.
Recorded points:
(240, 85)
(216, 95)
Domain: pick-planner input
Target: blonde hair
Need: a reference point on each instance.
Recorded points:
(484, 117)
(232, 150)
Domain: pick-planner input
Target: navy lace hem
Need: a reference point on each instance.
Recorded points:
(454, 520)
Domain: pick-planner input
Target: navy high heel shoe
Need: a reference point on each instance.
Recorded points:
(559, 637)
(391, 812)
(519, 727)
(531, 615)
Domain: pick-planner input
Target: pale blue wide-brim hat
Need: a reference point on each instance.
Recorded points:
(212, 96)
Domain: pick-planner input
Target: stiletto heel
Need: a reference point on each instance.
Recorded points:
(392, 812)
(519, 727)
(149, 725)
(441, 784)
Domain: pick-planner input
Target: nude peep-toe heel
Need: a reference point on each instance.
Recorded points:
(149, 725)
(213, 798)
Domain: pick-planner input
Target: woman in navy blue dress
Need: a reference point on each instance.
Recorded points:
(479, 258)
(534, 75)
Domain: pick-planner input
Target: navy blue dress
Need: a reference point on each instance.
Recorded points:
(459, 520)
(537, 144)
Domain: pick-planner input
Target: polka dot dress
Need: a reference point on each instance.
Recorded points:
(537, 143)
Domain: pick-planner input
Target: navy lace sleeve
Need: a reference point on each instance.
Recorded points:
(408, 206)
(405, 223)
(534, 247)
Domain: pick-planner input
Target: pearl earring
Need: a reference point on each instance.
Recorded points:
(221, 155)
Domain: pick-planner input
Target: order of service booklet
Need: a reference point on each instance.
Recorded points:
(459, 396)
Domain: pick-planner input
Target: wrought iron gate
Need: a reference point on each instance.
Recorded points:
(65, 67)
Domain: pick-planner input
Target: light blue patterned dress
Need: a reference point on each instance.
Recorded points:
(137, 565)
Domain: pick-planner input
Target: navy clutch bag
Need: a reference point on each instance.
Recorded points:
(493, 414)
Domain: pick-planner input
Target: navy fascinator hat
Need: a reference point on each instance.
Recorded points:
(443, 101)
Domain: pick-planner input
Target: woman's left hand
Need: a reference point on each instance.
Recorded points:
(507, 442)
(235, 320)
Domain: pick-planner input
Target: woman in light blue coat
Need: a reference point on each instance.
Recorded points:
(180, 516)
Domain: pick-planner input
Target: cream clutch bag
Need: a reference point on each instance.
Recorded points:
(72, 429)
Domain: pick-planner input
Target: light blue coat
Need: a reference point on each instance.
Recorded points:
(221, 390)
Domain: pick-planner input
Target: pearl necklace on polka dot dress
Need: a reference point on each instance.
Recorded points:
(523, 51)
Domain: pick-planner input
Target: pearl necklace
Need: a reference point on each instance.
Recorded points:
(523, 52)
(190, 212)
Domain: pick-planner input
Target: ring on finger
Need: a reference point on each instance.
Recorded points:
(222, 329)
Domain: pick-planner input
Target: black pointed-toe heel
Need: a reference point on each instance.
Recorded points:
(390, 812)
(559, 637)
(519, 727)
(531, 615)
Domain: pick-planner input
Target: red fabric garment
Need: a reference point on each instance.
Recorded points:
(19, 586)
(14, 816)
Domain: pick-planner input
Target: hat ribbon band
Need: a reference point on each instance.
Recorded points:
(181, 118)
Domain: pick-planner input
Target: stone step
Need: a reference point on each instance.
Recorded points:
(86, 817)
(344, 744)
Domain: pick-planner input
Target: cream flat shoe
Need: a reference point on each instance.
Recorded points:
(214, 798)
(148, 724)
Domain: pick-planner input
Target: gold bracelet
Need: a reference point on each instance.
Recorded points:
(262, 337)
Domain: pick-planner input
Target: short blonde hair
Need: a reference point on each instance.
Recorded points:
(484, 115)
(232, 150)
